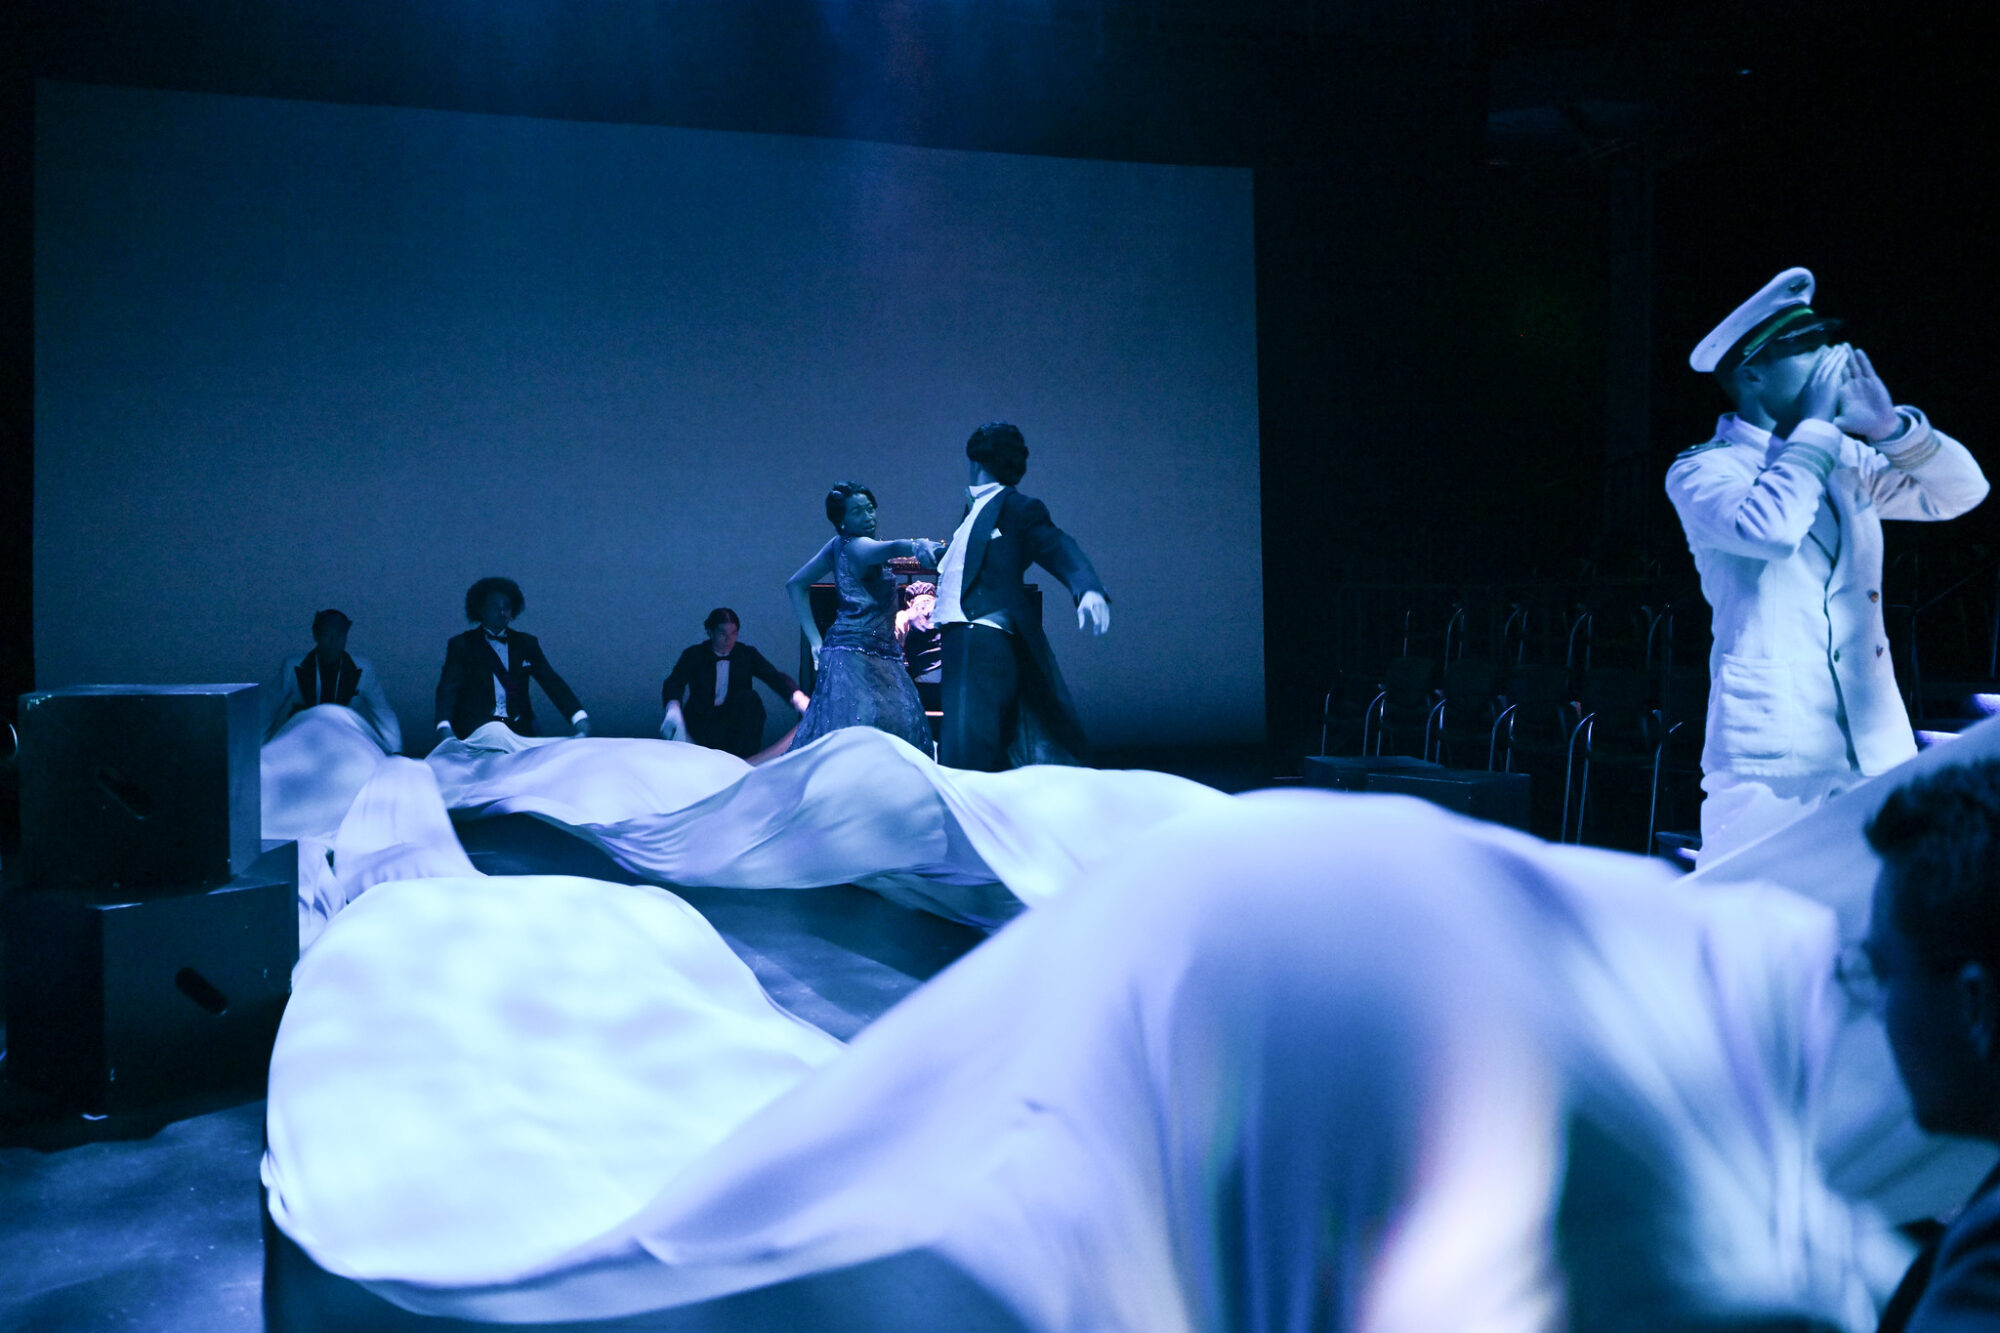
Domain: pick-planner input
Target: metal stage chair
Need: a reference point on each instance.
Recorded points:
(1344, 712)
(1534, 729)
(1621, 728)
(1461, 722)
(1402, 711)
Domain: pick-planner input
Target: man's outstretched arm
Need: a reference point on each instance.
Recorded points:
(1056, 551)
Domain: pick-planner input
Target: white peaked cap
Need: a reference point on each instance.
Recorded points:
(1793, 287)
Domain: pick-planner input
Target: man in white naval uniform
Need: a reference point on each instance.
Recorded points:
(1783, 510)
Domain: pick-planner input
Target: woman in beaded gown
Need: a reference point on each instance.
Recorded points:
(862, 679)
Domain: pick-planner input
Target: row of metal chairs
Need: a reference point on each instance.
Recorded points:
(1636, 634)
(1522, 717)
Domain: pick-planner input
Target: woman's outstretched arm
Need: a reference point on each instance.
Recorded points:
(871, 552)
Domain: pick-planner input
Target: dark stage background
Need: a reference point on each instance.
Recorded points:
(1486, 232)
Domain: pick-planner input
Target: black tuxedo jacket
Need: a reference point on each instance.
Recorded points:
(465, 687)
(1954, 1284)
(694, 676)
(346, 680)
(1015, 532)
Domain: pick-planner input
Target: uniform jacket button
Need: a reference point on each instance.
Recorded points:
(1874, 596)
(1836, 654)
(1878, 650)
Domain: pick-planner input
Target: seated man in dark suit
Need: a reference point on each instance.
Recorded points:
(722, 710)
(327, 673)
(1933, 958)
(487, 669)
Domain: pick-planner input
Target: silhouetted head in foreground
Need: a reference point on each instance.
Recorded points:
(1933, 944)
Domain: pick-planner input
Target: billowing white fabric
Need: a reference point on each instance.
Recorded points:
(1287, 1061)
(477, 1073)
(313, 768)
(396, 828)
(1870, 1144)
(857, 806)
(310, 771)
(575, 780)
(370, 703)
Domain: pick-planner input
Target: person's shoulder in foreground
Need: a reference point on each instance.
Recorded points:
(1933, 948)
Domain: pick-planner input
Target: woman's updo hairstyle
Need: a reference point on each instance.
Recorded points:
(836, 501)
(998, 447)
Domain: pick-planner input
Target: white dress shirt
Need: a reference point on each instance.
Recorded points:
(721, 680)
(497, 643)
(951, 569)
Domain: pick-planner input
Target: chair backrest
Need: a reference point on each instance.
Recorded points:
(1348, 695)
(1606, 690)
(1684, 695)
(1540, 700)
(1408, 676)
(1623, 706)
(1514, 634)
(1471, 681)
(1534, 685)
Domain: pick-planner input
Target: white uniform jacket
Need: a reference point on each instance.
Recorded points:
(370, 702)
(1787, 536)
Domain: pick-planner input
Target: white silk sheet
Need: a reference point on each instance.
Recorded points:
(1281, 1061)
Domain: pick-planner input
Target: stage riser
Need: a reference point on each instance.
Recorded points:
(114, 1004)
(141, 789)
(1350, 773)
(1501, 798)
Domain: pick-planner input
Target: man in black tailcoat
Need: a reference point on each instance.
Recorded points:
(1005, 704)
(487, 669)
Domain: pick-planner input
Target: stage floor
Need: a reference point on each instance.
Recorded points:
(154, 1220)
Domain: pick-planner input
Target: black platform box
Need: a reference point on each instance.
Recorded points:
(138, 788)
(1349, 773)
(114, 1003)
(1501, 798)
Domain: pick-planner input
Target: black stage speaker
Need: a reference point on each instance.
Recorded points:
(139, 788)
(1499, 797)
(1350, 773)
(114, 1002)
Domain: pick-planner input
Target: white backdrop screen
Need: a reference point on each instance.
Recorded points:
(293, 355)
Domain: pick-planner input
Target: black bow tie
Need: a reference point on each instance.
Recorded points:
(496, 638)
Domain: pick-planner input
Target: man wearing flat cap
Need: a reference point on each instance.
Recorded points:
(1783, 510)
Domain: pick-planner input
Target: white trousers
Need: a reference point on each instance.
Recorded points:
(1737, 810)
